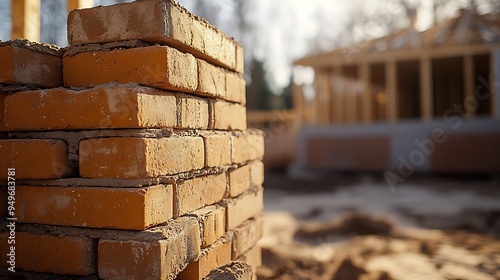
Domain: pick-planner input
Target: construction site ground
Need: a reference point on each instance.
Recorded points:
(352, 226)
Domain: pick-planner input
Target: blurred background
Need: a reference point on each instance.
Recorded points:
(382, 122)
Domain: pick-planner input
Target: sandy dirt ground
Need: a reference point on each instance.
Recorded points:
(356, 227)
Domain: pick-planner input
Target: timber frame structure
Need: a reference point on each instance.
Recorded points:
(408, 75)
(25, 16)
(407, 102)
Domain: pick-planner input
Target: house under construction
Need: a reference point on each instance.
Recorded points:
(410, 101)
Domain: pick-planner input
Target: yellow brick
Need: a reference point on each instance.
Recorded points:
(216, 255)
(248, 146)
(217, 149)
(212, 223)
(243, 208)
(239, 180)
(211, 80)
(246, 236)
(194, 112)
(198, 192)
(229, 116)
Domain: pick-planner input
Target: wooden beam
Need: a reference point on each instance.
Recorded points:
(469, 81)
(390, 88)
(364, 71)
(25, 19)
(352, 101)
(338, 58)
(79, 4)
(338, 96)
(298, 101)
(426, 102)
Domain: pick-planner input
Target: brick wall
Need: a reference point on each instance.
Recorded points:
(131, 151)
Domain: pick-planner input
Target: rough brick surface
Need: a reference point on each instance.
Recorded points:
(22, 65)
(198, 192)
(123, 208)
(194, 112)
(229, 116)
(156, 66)
(239, 180)
(216, 255)
(257, 173)
(52, 254)
(248, 146)
(34, 158)
(246, 236)
(235, 88)
(160, 259)
(140, 157)
(211, 80)
(243, 208)
(240, 64)
(232, 271)
(140, 20)
(212, 221)
(113, 106)
(217, 149)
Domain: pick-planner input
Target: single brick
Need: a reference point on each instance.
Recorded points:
(140, 20)
(243, 208)
(129, 158)
(229, 116)
(212, 221)
(113, 106)
(253, 257)
(198, 192)
(217, 149)
(194, 112)
(232, 271)
(235, 88)
(239, 180)
(157, 66)
(215, 256)
(122, 208)
(257, 173)
(211, 80)
(247, 146)
(155, 259)
(51, 254)
(246, 236)
(34, 158)
(30, 65)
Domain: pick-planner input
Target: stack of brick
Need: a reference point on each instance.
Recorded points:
(137, 164)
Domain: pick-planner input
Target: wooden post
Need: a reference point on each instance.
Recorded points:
(426, 103)
(79, 4)
(25, 19)
(298, 102)
(391, 88)
(327, 84)
(364, 71)
(495, 83)
(337, 96)
(352, 103)
(469, 84)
